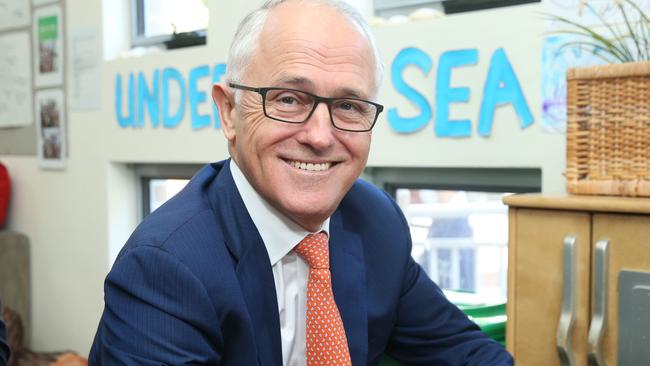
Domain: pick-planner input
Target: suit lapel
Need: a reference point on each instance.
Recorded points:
(254, 272)
(253, 267)
(349, 286)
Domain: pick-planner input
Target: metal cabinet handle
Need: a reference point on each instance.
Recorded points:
(599, 318)
(567, 317)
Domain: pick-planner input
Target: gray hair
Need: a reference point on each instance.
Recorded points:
(246, 40)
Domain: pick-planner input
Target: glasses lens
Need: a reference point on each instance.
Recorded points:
(353, 114)
(295, 106)
(288, 105)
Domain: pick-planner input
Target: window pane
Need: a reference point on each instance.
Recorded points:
(460, 239)
(160, 190)
(389, 8)
(161, 16)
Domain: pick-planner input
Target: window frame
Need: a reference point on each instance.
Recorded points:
(138, 37)
(489, 180)
(148, 172)
(515, 180)
(393, 7)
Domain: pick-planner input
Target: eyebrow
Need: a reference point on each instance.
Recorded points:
(299, 81)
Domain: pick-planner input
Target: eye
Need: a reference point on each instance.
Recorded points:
(347, 106)
(287, 99)
(350, 106)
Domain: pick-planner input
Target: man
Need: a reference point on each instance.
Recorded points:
(280, 256)
(4, 348)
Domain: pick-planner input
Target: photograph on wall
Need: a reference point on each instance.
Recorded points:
(50, 127)
(48, 46)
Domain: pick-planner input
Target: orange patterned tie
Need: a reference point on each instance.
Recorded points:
(326, 341)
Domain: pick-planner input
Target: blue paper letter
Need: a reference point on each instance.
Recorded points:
(218, 71)
(406, 57)
(501, 87)
(170, 121)
(150, 97)
(446, 95)
(196, 97)
(129, 119)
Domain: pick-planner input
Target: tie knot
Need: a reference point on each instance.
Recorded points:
(314, 249)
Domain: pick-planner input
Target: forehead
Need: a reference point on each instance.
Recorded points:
(316, 43)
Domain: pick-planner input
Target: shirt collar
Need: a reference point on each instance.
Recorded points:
(279, 233)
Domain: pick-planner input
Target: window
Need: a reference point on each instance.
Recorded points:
(161, 182)
(161, 190)
(175, 23)
(458, 224)
(460, 6)
(388, 8)
(459, 238)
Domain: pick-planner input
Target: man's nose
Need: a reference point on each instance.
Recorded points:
(319, 131)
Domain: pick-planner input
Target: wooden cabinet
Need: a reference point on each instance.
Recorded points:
(565, 253)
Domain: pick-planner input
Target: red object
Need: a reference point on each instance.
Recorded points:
(5, 190)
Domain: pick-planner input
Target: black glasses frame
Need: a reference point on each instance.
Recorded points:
(317, 101)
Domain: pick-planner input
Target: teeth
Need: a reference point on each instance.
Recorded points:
(313, 167)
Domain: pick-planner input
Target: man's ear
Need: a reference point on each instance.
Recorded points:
(224, 98)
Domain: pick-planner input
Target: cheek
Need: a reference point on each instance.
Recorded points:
(357, 145)
(259, 137)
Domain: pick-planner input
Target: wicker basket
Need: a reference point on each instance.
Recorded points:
(608, 130)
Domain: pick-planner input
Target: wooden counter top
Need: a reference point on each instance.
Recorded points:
(580, 203)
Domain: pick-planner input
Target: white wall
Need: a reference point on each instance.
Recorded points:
(76, 217)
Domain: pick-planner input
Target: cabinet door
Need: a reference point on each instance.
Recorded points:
(629, 248)
(536, 280)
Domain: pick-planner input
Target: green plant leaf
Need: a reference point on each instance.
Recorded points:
(587, 46)
(602, 43)
(615, 34)
(644, 25)
(632, 34)
(620, 45)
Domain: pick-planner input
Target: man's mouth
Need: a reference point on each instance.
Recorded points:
(311, 167)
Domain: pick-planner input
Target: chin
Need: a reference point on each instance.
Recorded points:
(310, 214)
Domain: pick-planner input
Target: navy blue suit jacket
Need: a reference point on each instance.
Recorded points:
(194, 285)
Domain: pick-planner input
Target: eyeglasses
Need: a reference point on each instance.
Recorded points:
(296, 106)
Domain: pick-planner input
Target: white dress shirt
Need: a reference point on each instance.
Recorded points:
(290, 272)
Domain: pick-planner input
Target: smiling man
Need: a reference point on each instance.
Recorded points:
(280, 255)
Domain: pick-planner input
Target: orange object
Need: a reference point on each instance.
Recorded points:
(70, 359)
(326, 340)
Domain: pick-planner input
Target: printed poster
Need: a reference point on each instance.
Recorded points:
(48, 46)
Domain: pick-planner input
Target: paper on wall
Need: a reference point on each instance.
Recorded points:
(84, 54)
(14, 14)
(15, 80)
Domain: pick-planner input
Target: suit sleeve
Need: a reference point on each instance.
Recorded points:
(156, 313)
(429, 330)
(4, 348)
